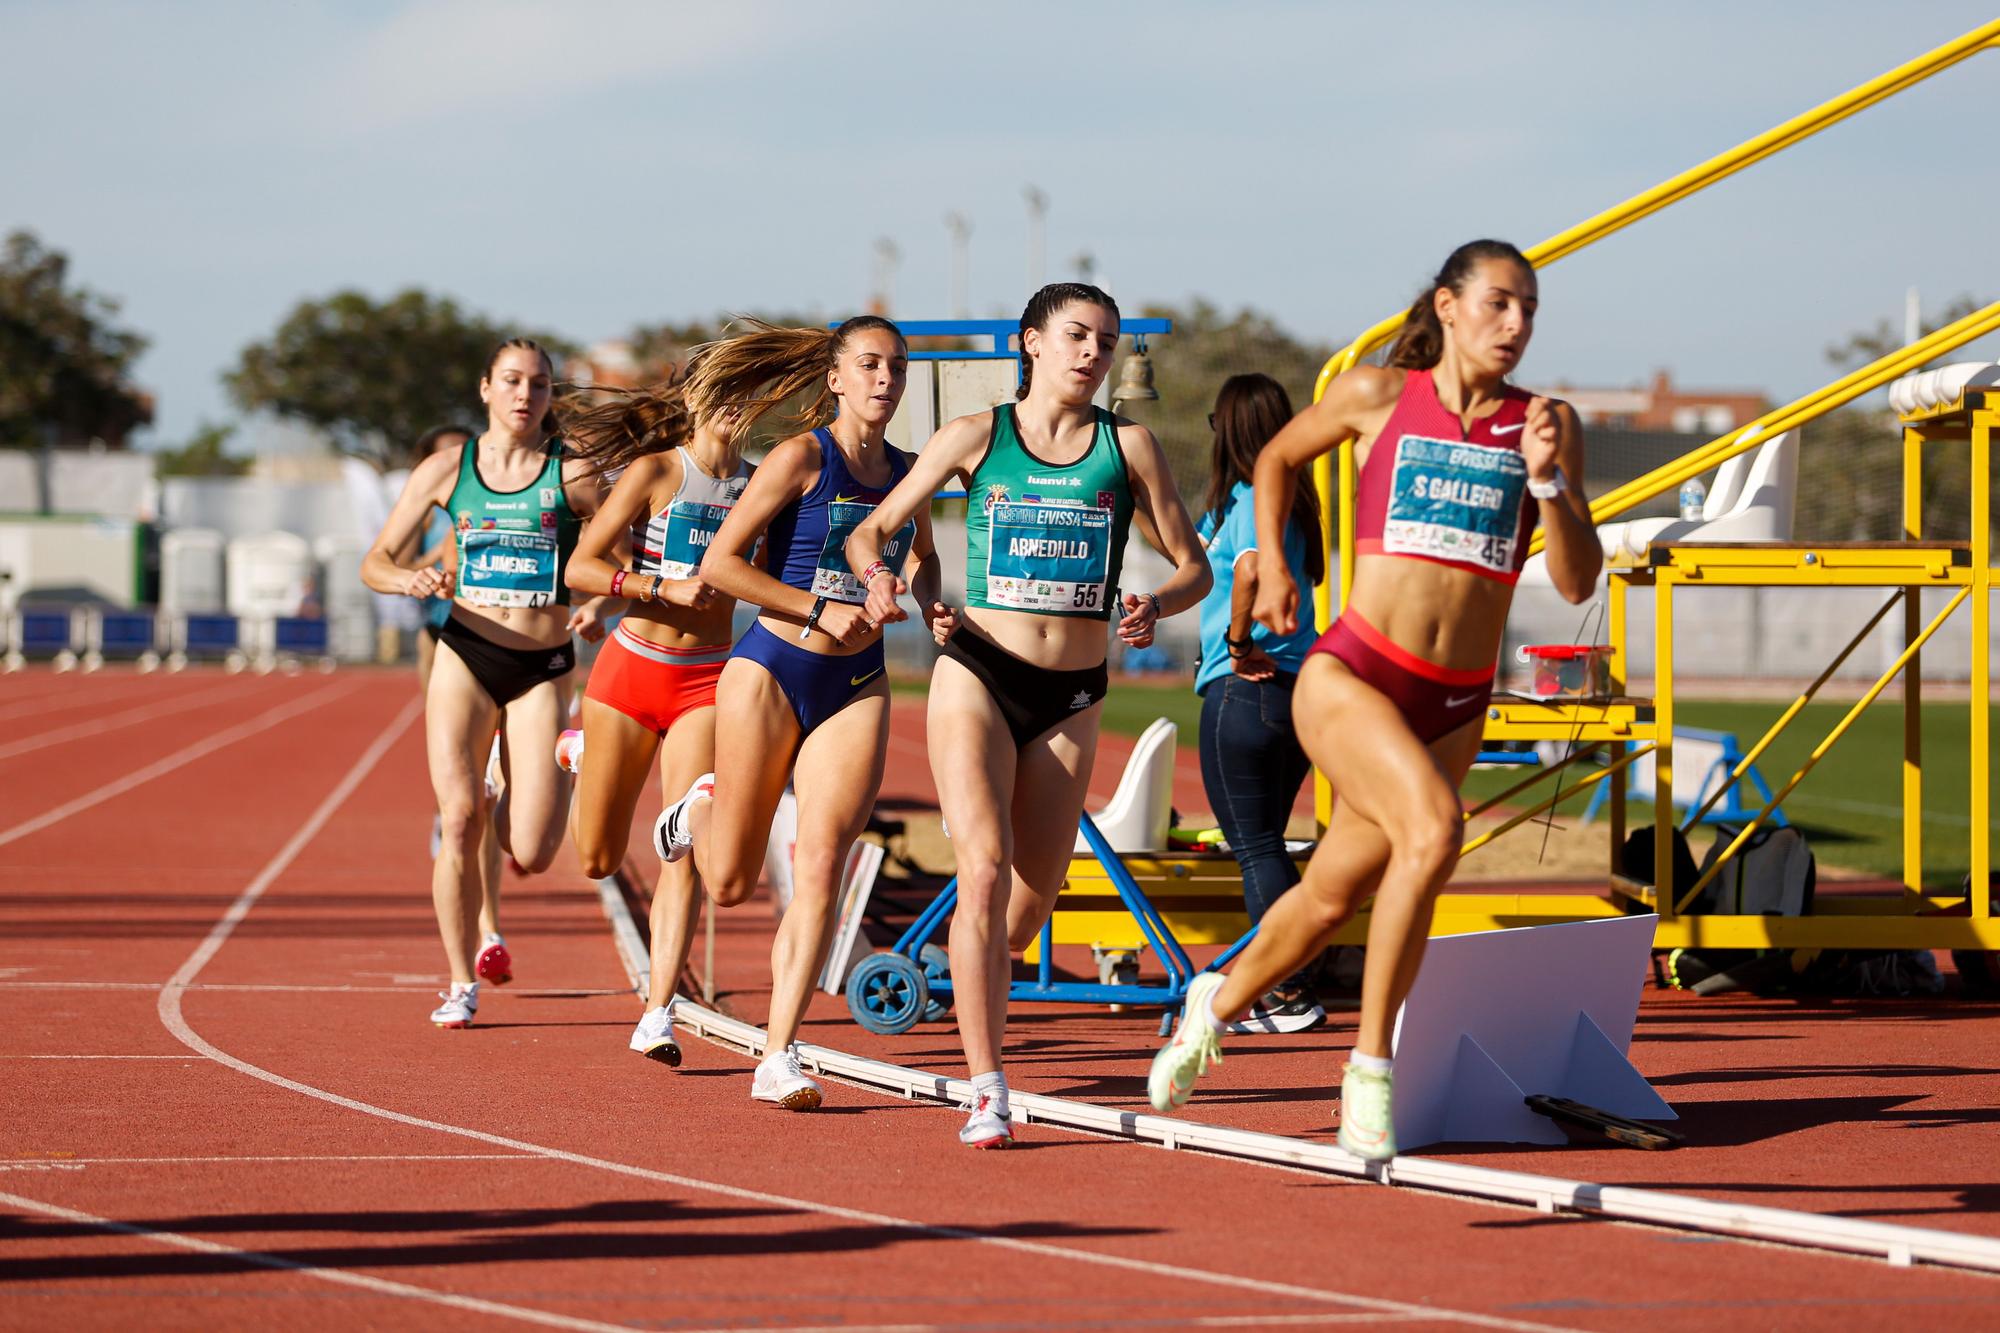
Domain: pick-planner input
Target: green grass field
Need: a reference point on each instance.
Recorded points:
(1849, 807)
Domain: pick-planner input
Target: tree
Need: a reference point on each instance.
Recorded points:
(203, 456)
(375, 376)
(63, 363)
(1189, 365)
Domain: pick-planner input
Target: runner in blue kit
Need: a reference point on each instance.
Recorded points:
(804, 695)
(1053, 485)
(515, 501)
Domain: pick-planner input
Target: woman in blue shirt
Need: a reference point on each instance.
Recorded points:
(1251, 763)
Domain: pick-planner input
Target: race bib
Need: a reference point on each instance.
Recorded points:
(1455, 501)
(1048, 556)
(506, 568)
(691, 525)
(832, 578)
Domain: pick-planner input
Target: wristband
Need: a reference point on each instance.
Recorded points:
(875, 567)
(1154, 598)
(1548, 490)
(1239, 647)
(618, 583)
(812, 618)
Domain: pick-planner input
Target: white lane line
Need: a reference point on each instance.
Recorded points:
(206, 746)
(381, 1286)
(65, 701)
(91, 1057)
(175, 1021)
(143, 713)
(325, 1157)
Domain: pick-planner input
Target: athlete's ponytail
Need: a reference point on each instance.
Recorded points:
(760, 370)
(1420, 345)
(1043, 307)
(627, 424)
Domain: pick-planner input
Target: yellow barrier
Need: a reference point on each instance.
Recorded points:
(1612, 220)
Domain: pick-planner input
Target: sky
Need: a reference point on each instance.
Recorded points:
(588, 167)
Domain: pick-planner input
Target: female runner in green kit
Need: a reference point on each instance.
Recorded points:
(1053, 484)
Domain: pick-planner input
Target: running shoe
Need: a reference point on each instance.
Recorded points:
(1279, 1012)
(461, 1002)
(496, 775)
(494, 963)
(985, 1127)
(569, 752)
(1367, 1126)
(673, 834)
(1196, 1046)
(779, 1080)
(654, 1037)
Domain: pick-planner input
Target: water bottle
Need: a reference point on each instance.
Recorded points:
(1693, 496)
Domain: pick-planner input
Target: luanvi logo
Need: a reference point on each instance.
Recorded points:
(1034, 480)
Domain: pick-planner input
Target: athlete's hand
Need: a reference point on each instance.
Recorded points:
(943, 620)
(1277, 604)
(430, 581)
(691, 593)
(588, 620)
(1539, 440)
(882, 605)
(846, 624)
(1135, 627)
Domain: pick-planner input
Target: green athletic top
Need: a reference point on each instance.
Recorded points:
(512, 545)
(1042, 538)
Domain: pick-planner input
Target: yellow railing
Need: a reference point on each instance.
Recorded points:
(1668, 477)
(1615, 219)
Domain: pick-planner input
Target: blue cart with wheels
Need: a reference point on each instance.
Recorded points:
(891, 992)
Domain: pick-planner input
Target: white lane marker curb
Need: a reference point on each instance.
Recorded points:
(187, 755)
(381, 1286)
(1901, 1246)
(175, 1021)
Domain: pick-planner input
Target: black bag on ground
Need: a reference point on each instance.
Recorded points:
(1773, 875)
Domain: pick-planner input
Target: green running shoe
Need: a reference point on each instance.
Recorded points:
(1196, 1046)
(1367, 1126)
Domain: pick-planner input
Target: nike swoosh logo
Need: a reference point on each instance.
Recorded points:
(1507, 430)
(856, 499)
(1460, 702)
(856, 680)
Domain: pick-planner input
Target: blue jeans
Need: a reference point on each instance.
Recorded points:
(1251, 766)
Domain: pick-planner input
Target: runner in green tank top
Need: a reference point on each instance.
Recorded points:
(504, 656)
(1053, 483)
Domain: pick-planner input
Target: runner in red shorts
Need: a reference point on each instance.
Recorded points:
(655, 678)
(1457, 468)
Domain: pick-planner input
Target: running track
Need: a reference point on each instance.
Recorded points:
(224, 1106)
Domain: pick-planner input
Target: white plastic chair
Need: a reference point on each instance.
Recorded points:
(1139, 812)
(1752, 501)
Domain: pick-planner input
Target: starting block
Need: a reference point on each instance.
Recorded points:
(1499, 1016)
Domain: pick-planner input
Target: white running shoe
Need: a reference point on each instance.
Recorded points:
(654, 1037)
(673, 834)
(569, 751)
(461, 1002)
(1367, 1117)
(985, 1127)
(778, 1079)
(494, 963)
(1196, 1046)
(496, 775)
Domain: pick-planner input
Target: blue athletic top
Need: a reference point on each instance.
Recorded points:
(806, 543)
(1228, 537)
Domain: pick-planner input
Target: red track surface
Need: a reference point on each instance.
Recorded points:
(224, 1107)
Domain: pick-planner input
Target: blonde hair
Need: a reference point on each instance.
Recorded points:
(763, 369)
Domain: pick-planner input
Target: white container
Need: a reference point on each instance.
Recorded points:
(341, 591)
(191, 572)
(270, 575)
